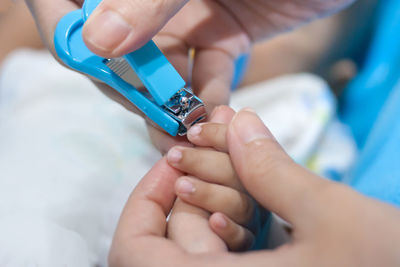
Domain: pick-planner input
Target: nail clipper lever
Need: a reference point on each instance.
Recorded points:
(165, 99)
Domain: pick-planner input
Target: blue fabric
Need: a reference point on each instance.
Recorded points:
(368, 93)
(241, 64)
(371, 107)
(377, 173)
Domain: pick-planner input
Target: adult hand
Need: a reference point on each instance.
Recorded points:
(332, 224)
(219, 30)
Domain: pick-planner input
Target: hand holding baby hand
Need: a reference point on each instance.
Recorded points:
(332, 224)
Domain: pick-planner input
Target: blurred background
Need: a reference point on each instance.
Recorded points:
(69, 157)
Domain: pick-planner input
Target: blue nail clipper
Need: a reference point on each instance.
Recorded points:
(165, 100)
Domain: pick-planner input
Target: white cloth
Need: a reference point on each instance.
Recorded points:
(300, 111)
(69, 158)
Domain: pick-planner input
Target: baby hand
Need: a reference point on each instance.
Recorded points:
(212, 184)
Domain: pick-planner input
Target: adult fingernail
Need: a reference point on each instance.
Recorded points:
(174, 155)
(248, 109)
(185, 187)
(106, 30)
(194, 131)
(249, 126)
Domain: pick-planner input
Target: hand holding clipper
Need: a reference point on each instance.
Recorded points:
(145, 77)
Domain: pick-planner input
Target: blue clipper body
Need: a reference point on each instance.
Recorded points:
(162, 96)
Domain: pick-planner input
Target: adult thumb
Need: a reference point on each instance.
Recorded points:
(117, 27)
(267, 172)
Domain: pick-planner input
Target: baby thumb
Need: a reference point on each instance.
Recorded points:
(266, 171)
(117, 27)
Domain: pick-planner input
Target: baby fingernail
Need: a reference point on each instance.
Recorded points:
(195, 130)
(249, 126)
(220, 221)
(174, 155)
(185, 187)
(106, 30)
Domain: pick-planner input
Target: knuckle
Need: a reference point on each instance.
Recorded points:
(189, 157)
(267, 159)
(157, 7)
(227, 175)
(246, 209)
(129, 9)
(216, 200)
(209, 131)
(220, 138)
(213, 135)
(204, 193)
(217, 130)
(241, 240)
